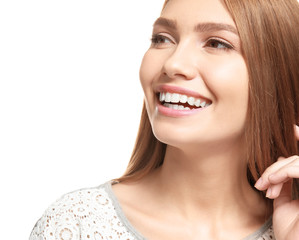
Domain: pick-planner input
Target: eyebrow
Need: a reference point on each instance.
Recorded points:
(201, 27)
(166, 22)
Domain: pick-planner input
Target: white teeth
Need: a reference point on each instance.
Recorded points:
(191, 101)
(203, 104)
(197, 103)
(175, 106)
(178, 98)
(175, 98)
(162, 97)
(167, 97)
(183, 99)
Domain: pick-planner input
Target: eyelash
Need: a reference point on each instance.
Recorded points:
(156, 38)
(226, 46)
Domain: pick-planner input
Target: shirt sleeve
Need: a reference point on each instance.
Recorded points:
(84, 214)
(59, 222)
(56, 227)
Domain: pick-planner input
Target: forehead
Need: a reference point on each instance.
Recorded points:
(190, 12)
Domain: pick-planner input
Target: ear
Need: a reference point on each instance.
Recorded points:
(297, 132)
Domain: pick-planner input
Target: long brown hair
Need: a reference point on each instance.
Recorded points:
(269, 34)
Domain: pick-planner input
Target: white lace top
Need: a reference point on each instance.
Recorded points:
(95, 214)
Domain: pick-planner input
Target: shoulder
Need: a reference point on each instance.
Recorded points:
(83, 214)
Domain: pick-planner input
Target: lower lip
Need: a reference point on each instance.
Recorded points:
(176, 113)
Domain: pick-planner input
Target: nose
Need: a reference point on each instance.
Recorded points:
(181, 62)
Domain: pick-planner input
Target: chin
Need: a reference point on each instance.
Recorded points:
(187, 137)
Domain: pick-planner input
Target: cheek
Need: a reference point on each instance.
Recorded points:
(229, 84)
(147, 73)
(149, 70)
(229, 81)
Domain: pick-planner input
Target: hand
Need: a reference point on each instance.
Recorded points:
(277, 180)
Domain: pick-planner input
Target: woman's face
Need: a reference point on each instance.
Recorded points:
(194, 77)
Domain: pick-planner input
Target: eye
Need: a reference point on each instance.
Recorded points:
(218, 44)
(158, 39)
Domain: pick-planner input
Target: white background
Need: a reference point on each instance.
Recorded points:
(70, 99)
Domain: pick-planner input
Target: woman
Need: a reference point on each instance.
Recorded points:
(221, 99)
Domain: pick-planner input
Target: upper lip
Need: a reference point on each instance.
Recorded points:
(180, 90)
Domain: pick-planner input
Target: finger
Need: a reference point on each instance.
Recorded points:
(285, 195)
(274, 191)
(263, 182)
(297, 132)
(284, 174)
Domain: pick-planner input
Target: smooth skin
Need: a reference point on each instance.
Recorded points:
(201, 190)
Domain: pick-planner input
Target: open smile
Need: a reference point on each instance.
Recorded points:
(181, 102)
(175, 101)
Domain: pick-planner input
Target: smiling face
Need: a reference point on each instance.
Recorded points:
(194, 76)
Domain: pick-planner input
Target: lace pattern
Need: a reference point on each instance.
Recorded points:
(91, 214)
(84, 214)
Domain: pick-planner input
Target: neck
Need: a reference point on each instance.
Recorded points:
(207, 183)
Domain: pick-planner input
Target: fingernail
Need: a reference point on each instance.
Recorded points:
(269, 192)
(259, 183)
